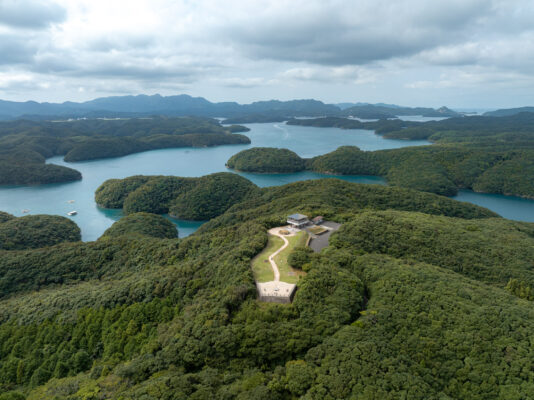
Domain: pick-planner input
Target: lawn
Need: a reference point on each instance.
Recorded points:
(261, 266)
(288, 274)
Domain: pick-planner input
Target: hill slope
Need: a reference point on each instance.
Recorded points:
(140, 317)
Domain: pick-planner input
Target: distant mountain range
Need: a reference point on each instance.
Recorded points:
(344, 106)
(376, 111)
(161, 105)
(180, 105)
(506, 112)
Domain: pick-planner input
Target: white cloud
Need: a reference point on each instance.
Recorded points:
(30, 14)
(328, 47)
(343, 74)
(243, 82)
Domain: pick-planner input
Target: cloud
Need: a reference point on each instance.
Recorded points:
(15, 49)
(13, 81)
(344, 74)
(352, 33)
(244, 82)
(266, 47)
(473, 77)
(30, 14)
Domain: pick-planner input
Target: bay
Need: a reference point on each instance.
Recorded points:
(59, 199)
(510, 207)
(305, 141)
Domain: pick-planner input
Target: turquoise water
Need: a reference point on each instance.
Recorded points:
(93, 221)
(510, 207)
(305, 141)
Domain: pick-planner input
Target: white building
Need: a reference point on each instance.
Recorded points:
(298, 220)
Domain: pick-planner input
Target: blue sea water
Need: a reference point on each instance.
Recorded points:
(305, 141)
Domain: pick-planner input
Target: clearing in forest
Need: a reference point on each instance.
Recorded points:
(271, 264)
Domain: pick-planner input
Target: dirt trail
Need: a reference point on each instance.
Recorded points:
(275, 232)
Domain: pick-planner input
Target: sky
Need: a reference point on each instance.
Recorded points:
(459, 53)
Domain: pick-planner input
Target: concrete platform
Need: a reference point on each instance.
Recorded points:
(276, 292)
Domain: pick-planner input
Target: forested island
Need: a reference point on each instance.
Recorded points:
(484, 154)
(440, 169)
(266, 160)
(197, 199)
(414, 288)
(511, 131)
(25, 145)
(363, 111)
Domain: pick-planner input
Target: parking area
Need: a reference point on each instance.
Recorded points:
(317, 243)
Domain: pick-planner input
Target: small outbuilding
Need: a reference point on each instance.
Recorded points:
(298, 220)
(318, 220)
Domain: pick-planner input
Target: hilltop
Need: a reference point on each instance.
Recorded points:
(417, 295)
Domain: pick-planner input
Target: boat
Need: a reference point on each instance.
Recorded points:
(25, 211)
(70, 201)
(71, 213)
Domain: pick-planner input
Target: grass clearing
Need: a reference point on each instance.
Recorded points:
(261, 267)
(288, 274)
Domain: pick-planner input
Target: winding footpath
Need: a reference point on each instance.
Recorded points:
(276, 291)
(276, 232)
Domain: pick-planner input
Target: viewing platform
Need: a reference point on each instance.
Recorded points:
(276, 291)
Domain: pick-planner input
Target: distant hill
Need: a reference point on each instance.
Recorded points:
(180, 105)
(506, 112)
(386, 111)
(357, 110)
(185, 105)
(344, 106)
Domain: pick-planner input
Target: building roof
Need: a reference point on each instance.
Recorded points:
(297, 217)
(318, 218)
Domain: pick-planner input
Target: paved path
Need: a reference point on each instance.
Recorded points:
(276, 232)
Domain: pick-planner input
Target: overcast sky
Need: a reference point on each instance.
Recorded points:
(460, 53)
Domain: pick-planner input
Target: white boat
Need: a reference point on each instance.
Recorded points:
(25, 211)
(70, 201)
(71, 213)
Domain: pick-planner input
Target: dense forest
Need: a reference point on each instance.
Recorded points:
(143, 224)
(418, 296)
(332, 113)
(33, 231)
(24, 145)
(441, 169)
(376, 111)
(502, 132)
(23, 165)
(186, 198)
(266, 160)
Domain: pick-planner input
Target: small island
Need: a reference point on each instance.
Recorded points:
(266, 160)
(195, 199)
